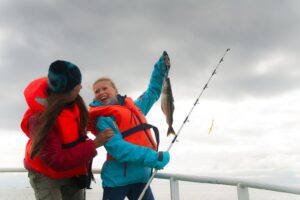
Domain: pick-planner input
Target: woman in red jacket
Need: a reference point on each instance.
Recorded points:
(58, 153)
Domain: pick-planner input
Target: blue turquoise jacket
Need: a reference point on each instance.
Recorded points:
(139, 160)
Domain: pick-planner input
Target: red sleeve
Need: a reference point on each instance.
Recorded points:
(63, 159)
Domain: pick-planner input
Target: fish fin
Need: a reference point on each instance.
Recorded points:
(171, 131)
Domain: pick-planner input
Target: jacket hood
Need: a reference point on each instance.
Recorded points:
(35, 94)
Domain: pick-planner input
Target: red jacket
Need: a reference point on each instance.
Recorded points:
(53, 160)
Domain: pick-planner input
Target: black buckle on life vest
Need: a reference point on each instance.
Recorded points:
(144, 127)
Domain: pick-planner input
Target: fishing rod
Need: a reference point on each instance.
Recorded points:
(185, 120)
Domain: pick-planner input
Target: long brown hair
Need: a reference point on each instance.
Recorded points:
(55, 104)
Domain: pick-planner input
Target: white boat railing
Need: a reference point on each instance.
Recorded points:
(241, 184)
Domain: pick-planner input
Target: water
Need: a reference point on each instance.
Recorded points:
(15, 186)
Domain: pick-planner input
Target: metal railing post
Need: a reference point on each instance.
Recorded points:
(242, 192)
(174, 186)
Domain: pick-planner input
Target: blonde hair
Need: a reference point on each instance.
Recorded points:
(104, 78)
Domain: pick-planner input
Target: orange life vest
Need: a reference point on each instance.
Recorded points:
(67, 127)
(130, 121)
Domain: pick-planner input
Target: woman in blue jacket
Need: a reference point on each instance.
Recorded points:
(132, 151)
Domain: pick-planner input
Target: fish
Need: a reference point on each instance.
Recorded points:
(167, 105)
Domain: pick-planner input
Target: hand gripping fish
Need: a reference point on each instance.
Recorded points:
(167, 100)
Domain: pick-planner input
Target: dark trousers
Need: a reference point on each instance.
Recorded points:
(132, 192)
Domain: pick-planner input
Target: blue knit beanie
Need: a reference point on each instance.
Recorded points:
(63, 76)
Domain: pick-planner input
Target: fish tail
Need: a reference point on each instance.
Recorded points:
(171, 131)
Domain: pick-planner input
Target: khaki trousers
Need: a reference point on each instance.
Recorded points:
(46, 188)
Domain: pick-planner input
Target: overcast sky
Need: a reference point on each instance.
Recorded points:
(254, 99)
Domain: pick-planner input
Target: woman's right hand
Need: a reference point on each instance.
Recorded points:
(103, 137)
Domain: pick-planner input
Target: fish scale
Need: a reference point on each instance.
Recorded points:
(167, 101)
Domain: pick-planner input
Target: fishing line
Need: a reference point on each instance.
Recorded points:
(186, 119)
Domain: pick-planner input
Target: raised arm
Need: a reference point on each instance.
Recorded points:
(152, 94)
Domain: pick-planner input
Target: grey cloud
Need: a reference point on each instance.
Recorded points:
(121, 39)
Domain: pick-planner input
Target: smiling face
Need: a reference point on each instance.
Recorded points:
(104, 90)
